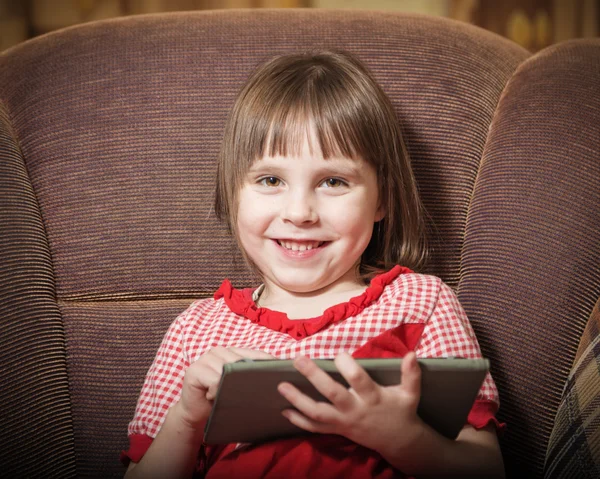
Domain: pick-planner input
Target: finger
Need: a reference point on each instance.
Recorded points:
(301, 421)
(199, 379)
(358, 379)
(205, 377)
(335, 392)
(214, 360)
(209, 367)
(219, 355)
(252, 353)
(224, 355)
(320, 414)
(411, 376)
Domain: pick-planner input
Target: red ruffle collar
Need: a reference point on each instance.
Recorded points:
(240, 302)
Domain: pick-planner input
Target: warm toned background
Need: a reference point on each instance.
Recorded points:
(533, 24)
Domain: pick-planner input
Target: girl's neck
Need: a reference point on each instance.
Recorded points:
(307, 305)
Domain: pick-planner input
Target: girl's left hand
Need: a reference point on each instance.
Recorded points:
(368, 414)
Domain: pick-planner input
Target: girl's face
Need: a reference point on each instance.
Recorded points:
(305, 221)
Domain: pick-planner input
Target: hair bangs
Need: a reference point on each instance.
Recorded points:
(313, 115)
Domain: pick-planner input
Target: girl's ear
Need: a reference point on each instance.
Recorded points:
(380, 213)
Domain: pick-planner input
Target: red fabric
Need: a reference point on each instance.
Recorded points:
(483, 413)
(240, 302)
(394, 343)
(138, 445)
(318, 456)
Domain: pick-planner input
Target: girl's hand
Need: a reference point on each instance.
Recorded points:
(369, 414)
(202, 378)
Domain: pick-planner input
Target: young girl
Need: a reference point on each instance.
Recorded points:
(315, 184)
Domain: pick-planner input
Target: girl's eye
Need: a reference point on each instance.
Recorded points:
(270, 181)
(333, 183)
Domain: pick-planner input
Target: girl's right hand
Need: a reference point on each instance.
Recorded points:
(202, 378)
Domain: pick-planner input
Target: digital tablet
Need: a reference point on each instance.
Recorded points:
(247, 407)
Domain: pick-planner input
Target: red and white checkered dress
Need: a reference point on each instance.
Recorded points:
(400, 311)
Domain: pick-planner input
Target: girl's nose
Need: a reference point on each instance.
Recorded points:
(299, 208)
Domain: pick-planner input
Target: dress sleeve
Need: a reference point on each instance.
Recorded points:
(448, 333)
(161, 389)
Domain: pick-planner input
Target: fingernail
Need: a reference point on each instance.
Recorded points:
(414, 361)
(301, 362)
(283, 388)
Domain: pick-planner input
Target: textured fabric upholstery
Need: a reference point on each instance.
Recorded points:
(530, 271)
(108, 137)
(34, 385)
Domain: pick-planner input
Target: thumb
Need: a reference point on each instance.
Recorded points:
(211, 393)
(411, 375)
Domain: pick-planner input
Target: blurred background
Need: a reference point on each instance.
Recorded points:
(533, 24)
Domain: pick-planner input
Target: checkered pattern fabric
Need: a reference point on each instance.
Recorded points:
(571, 450)
(409, 299)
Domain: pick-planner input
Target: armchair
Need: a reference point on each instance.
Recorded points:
(108, 137)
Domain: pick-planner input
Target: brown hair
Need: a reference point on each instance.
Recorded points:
(335, 94)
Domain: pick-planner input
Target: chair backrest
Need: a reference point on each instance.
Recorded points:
(108, 137)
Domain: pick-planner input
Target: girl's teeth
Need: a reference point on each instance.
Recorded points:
(299, 247)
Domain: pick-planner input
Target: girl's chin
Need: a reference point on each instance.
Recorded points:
(294, 282)
(299, 288)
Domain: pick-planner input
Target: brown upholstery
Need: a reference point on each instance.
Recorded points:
(108, 139)
(530, 263)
